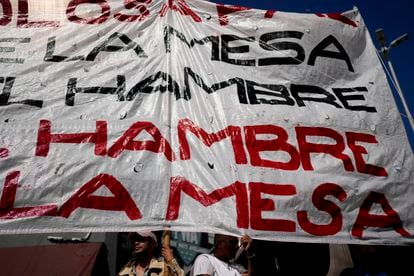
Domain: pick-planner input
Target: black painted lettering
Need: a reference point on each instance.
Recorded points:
(146, 86)
(312, 94)
(72, 89)
(226, 49)
(12, 49)
(214, 87)
(281, 46)
(319, 51)
(107, 47)
(50, 52)
(5, 95)
(170, 31)
(274, 93)
(351, 94)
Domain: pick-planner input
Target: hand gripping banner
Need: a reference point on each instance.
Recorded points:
(125, 115)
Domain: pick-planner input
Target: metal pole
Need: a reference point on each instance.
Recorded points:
(399, 91)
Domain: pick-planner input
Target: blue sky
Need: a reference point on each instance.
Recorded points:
(395, 17)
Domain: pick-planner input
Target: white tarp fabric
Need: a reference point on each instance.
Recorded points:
(126, 115)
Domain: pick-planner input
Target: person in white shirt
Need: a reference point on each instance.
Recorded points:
(218, 263)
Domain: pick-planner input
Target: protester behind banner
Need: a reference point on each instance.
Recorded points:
(143, 260)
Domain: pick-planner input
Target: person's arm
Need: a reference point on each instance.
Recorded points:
(250, 266)
(173, 267)
(247, 242)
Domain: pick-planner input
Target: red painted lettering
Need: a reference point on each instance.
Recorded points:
(126, 142)
(224, 10)
(138, 5)
(233, 132)
(73, 4)
(45, 138)
(358, 151)
(255, 146)
(7, 12)
(180, 184)
(23, 18)
(179, 6)
(391, 219)
(4, 153)
(318, 199)
(339, 17)
(306, 148)
(7, 209)
(259, 204)
(269, 13)
(84, 198)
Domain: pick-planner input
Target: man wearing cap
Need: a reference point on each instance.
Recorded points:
(143, 262)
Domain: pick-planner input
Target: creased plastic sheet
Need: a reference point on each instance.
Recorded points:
(126, 115)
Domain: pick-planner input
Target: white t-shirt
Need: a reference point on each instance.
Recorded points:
(210, 265)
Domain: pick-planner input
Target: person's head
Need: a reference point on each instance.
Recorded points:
(144, 243)
(225, 247)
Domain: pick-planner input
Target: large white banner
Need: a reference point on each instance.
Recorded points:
(126, 115)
